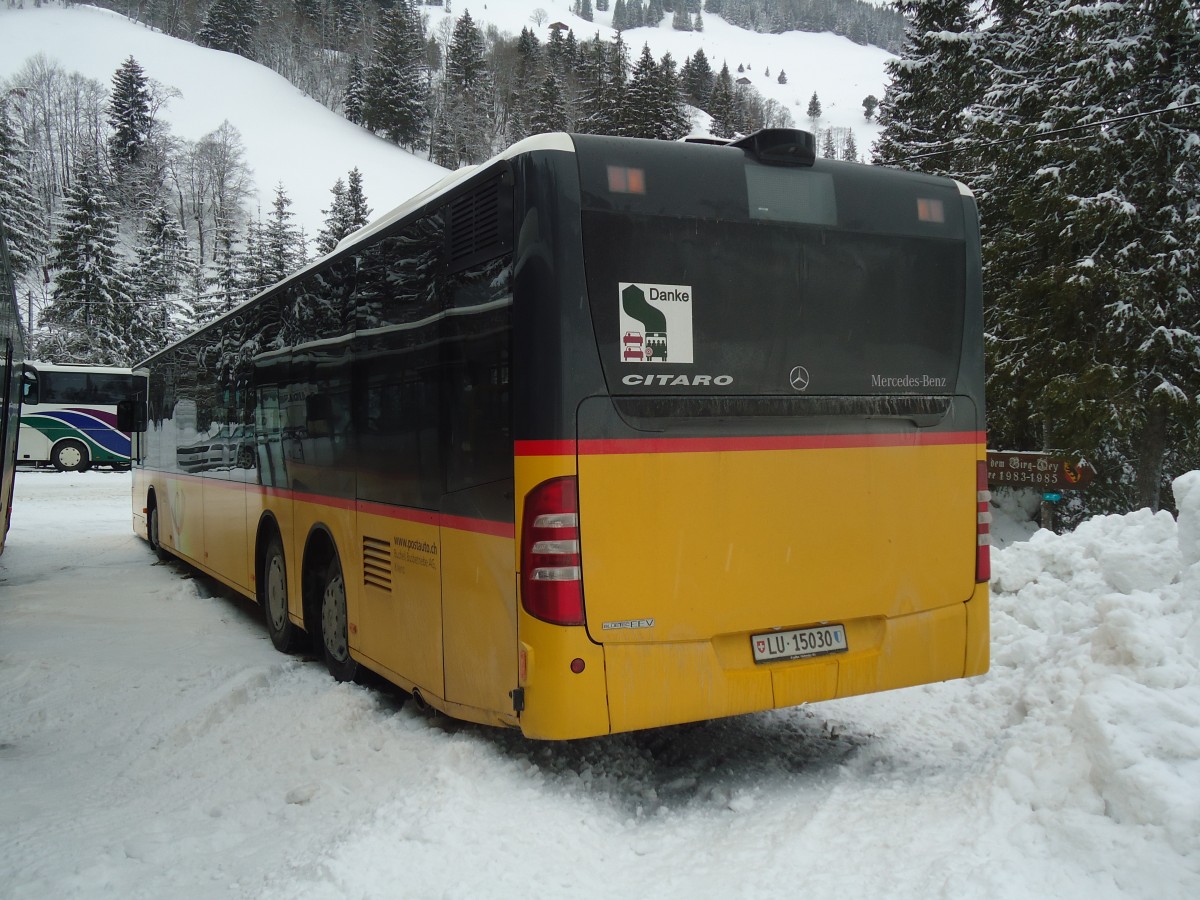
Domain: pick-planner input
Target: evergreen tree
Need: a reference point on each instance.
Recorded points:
(671, 120)
(283, 247)
(782, 79)
(335, 219)
(394, 94)
(620, 16)
(850, 151)
(347, 213)
(224, 288)
(721, 105)
(935, 81)
(463, 132)
(129, 115)
(162, 273)
(641, 99)
(698, 79)
(814, 109)
(229, 25)
(828, 148)
(550, 114)
(89, 314)
(680, 20)
(19, 207)
(352, 99)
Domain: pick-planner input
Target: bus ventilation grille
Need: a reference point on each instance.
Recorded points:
(377, 563)
(480, 225)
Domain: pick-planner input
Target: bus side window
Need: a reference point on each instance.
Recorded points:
(29, 388)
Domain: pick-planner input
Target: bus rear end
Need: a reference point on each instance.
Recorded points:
(763, 485)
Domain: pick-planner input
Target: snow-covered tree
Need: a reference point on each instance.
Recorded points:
(19, 207)
(395, 93)
(89, 316)
(229, 25)
(347, 212)
(283, 245)
(933, 83)
(129, 115)
(162, 274)
(463, 129)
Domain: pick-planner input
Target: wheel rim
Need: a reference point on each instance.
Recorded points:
(276, 592)
(333, 619)
(70, 456)
(154, 527)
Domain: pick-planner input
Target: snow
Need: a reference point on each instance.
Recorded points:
(153, 744)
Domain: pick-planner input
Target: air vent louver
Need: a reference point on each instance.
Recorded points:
(377, 563)
(479, 225)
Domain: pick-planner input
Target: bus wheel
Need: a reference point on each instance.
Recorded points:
(333, 625)
(273, 595)
(152, 521)
(71, 456)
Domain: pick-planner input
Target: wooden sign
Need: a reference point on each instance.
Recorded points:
(1041, 471)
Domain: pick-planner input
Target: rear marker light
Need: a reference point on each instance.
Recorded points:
(577, 665)
(983, 520)
(551, 575)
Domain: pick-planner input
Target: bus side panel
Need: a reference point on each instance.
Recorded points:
(181, 515)
(32, 445)
(479, 610)
(141, 489)
(227, 549)
(400, 594)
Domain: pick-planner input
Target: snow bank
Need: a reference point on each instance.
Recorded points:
(1096, 649)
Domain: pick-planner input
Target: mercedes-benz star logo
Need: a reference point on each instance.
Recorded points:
(799, 378)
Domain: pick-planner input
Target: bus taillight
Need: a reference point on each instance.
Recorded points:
(551, 579)
(983, 519)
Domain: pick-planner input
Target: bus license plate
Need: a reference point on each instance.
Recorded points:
(798, 644)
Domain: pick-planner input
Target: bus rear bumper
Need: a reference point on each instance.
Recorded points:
(661, 684)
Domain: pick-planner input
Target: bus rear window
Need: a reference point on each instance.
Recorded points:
(756, 308)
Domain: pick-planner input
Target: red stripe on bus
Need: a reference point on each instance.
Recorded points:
(602, 447)
(407, 514)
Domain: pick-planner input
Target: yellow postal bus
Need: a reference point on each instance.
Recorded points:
(602, 435)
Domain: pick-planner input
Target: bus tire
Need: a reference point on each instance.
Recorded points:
(334, 625)
(286, 637)
(71, 456)
(152, 525)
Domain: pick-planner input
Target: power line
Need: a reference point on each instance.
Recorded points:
(951, 145)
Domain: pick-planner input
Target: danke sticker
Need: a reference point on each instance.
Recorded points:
(656, 322)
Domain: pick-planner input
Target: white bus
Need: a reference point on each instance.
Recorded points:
(69, 416)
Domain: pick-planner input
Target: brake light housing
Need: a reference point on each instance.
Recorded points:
(551, 570)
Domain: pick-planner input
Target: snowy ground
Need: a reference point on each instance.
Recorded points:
(153, 744)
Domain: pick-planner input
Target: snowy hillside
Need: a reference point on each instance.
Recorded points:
(292, 139)
(288, 137)
(153, 744)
